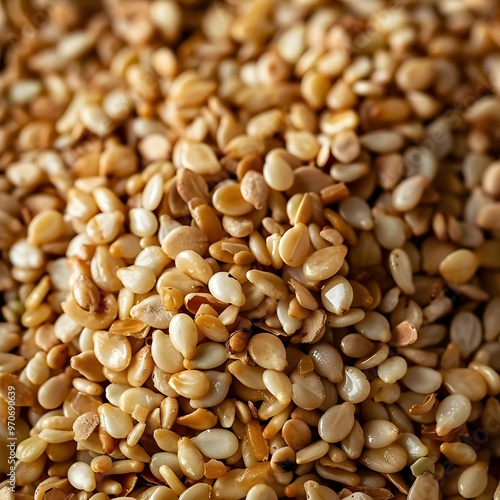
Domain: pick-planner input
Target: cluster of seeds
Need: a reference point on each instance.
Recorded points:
(250, 249)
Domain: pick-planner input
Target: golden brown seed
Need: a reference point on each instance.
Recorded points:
(458, 453)
(459, 266)
(267, 351)
(191, 384)
(324, 263)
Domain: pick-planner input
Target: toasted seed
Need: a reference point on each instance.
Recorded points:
(459, 266)
(228, 200)
(324, 263)
(415, 74)
(336, 423)
(191, 384)
(261, 492)
(267, 351)
(307, 390)
(184, 238)
(216, 443)
(466, 382)
(199, 158)
(294, 245)
(458, 453)
(113, 352)
(190, 459)
(270, 284)
(116, 422)
(296, 434)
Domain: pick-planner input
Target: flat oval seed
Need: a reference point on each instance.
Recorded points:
(327, 361)
(277, 173)
(184, 238)
(116, 422)
(199, 491)
(401, 270)
(279, 385)
(422, 379)
(294, 245)
(356, 212)
(191, 384)
(424, 486)
(207, 356)
(466, 382)
(408, 193)
(268, 351)
(139, 396)
(354, 386)
(137, 279)
(268, 283)
(226, 288)
(45, 227)
(164, 354)
(458, 453)
(466, 332)
(374, 326)
(380, 433)
(184, 335)
(112, 351)
(312, 452)
(387, 460)
(261, 492)
(473, 480)
(153, 192)
(336, 423)
(82, 477)
(53, 392)
(194, 265)
(142, 222)
(451, 413)
(308, 391)
(324, 263)
(227, 199)
(190, 459)
(392, 369)
(459, 266)
(216, 443)
(30, 449)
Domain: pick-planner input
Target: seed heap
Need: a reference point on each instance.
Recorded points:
(251, 249)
